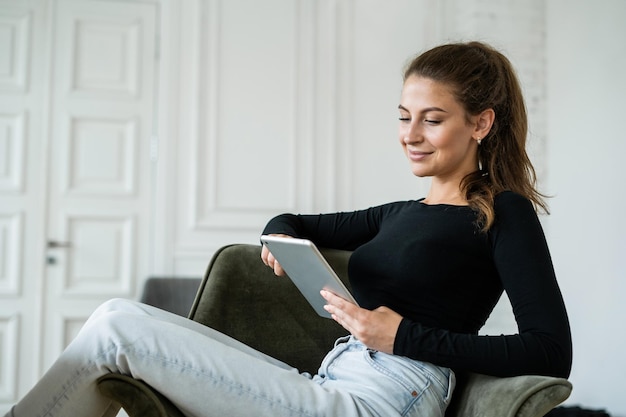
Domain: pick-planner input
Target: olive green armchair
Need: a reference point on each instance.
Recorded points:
(238, 297)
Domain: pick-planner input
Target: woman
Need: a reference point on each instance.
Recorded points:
(426, 273)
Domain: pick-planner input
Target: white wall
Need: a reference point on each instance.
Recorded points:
(288, 107)
(586, 57)
(341, 66)
(356, 49)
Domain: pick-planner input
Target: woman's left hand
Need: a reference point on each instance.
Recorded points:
(376, 329)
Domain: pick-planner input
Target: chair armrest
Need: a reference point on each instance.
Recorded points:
(520, 396)
(136, 397)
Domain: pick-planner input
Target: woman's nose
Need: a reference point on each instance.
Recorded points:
(412, 134)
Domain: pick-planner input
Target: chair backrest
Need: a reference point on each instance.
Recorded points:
(242, 297)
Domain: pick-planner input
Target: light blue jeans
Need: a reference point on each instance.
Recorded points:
(206, 373)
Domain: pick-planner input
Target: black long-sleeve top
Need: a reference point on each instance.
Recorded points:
(433, 265)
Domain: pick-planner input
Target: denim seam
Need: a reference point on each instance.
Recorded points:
(210, 376)
(72, 382)
(434, 379)
(222, 380)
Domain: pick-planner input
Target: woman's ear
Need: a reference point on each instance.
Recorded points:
(484, 121)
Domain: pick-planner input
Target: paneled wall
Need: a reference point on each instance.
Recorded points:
(293, 108)
(287, 108)
(297, 111)
(137, 137)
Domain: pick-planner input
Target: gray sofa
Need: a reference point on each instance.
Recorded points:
(241, 297)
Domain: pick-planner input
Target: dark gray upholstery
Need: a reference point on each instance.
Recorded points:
(242, 298)
(171, 294)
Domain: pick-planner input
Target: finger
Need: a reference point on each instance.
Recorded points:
(278, 270)
(269, 260)
(342, 310)
(340, 317)
(265, 254)
(330, 296)
(275, 265)
(337, 307)
(336, 300)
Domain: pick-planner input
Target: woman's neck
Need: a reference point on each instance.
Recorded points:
(445, 193)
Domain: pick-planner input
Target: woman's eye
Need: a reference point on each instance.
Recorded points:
(432, 121)
(404, 119)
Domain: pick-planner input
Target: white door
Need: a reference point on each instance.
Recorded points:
(22, 74)
(102, 100)
(77, 99)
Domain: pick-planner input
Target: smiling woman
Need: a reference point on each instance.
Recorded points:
(476, 82)
(439, 139)
(426, 275)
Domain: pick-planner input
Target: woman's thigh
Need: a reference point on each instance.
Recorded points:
(204, 373)
(208, 374)
(130, 307)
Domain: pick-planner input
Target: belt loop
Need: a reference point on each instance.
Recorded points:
(343, 339)
(451, 386)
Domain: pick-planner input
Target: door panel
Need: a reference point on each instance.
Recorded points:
(102, 105)
(101, 257)
(22, 86)
(102, 156)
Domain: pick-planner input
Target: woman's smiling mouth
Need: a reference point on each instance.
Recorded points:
(417, 156)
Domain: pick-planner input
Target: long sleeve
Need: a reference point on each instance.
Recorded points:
(522, 260)
(343, 230)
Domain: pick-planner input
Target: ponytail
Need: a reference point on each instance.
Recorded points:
(482, 78)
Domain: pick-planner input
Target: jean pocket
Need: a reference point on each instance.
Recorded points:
(442, 381)
(402, 385)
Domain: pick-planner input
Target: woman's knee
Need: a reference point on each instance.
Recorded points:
(117, 304)
(116, 326)
(111, 306)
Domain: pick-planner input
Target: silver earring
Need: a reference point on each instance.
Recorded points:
(479, 140)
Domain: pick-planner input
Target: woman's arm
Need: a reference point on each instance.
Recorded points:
(543, 344)
(336, 230)
(344, 230)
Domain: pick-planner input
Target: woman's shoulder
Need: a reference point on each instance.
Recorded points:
(514, 209)
(511, 200)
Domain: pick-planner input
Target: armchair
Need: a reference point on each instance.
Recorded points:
(238, 297)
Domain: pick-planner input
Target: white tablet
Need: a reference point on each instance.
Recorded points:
(307, 268)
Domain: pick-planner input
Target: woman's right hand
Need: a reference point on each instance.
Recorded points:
(269, 260)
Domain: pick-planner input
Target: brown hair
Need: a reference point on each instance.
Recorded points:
(482, 78)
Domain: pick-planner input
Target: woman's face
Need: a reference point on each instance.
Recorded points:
(435, 133)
